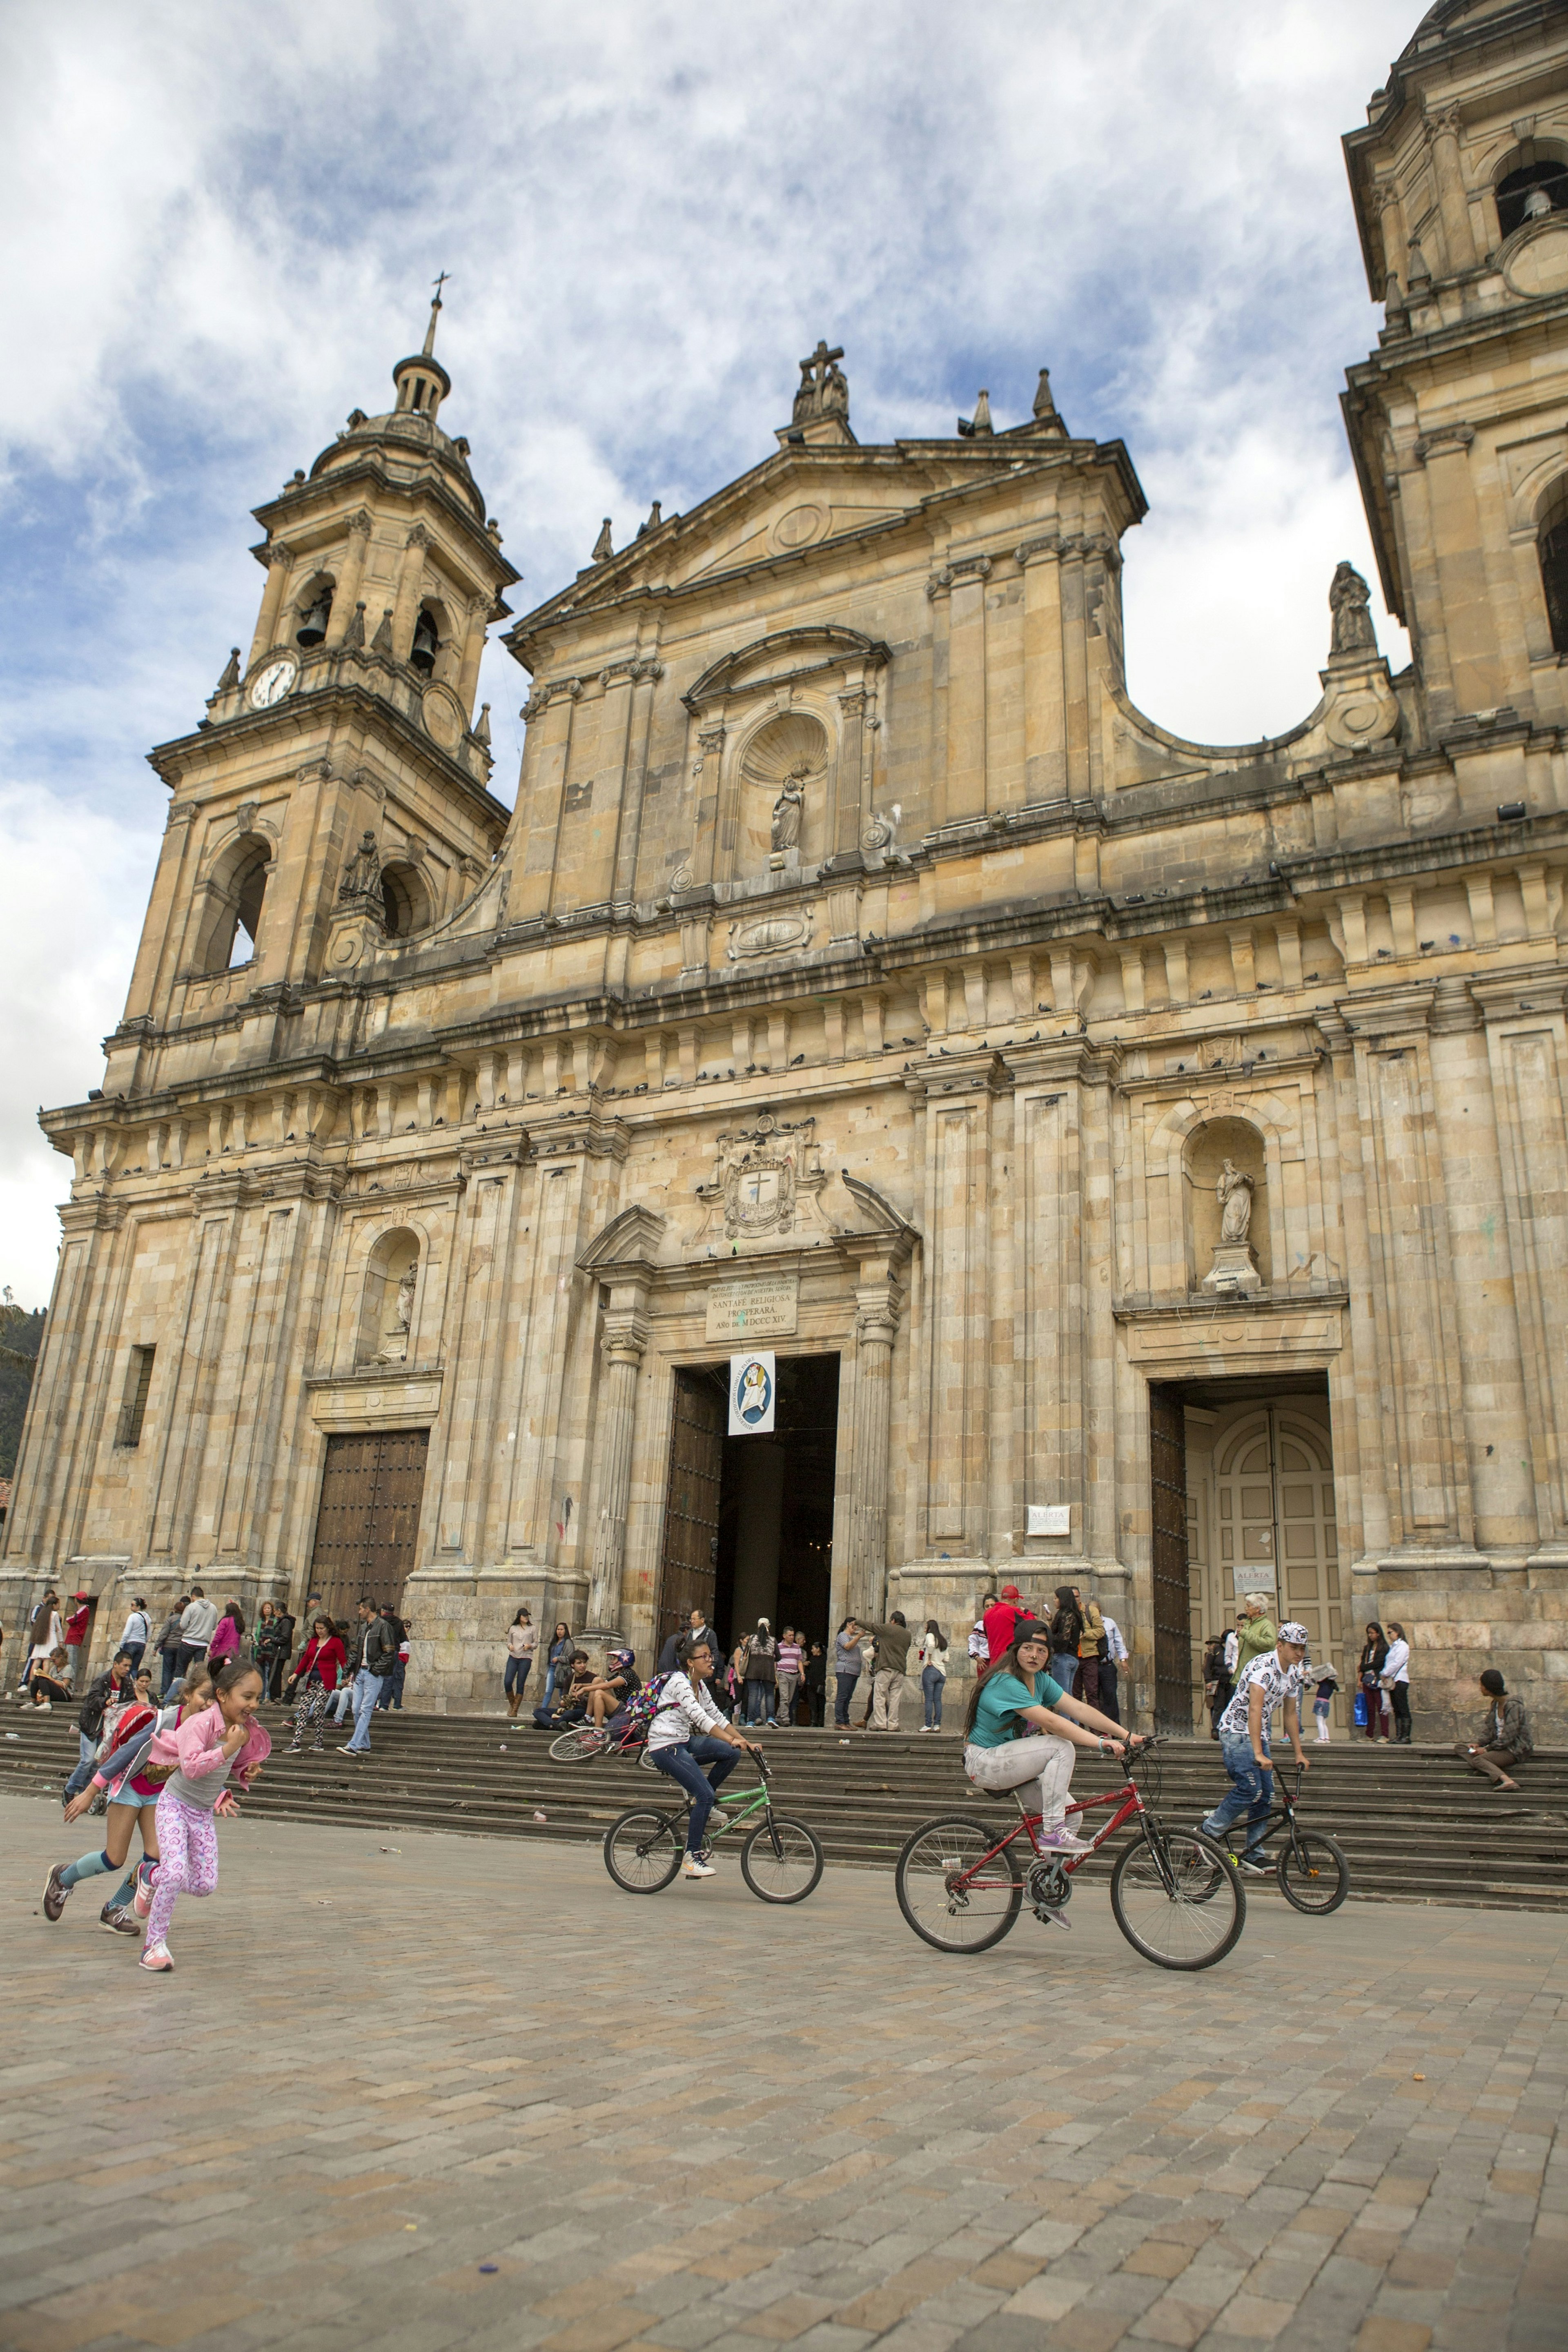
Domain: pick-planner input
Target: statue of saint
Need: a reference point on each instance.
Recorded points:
(1234, 1193)
(393, 1349)
(834, 391)
(1349, 597)
(362, 875)
(787, 809)
(806, 397)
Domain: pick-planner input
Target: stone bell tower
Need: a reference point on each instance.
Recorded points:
(333, 804)
(1459, 420)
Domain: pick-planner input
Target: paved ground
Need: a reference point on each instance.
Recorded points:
(689, 2122)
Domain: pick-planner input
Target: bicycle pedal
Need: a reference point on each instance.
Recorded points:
(1053, 1919)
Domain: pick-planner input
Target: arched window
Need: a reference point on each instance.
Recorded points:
(405, 899)
(426, 642)
(1552, 545)
(315, 610)
(1530, 189)
(236, 889)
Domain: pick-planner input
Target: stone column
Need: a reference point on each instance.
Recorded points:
(853, 807)
(279, 559)
(410, 580)
(346, 594)
(877, 1303)
(624, 1342)
(1449, 173)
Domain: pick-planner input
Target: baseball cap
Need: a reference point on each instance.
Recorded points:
(1011, 1593)
(1295, 1632)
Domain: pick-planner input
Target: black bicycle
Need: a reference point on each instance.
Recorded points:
(781, 1859)
(1311, 1869)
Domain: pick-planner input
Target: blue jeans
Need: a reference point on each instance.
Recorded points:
(392, 1688)
(1062, 1669)
(846, 1693)
(759, 1702)
(684, 1764)
(932, 1682)
(516, 1676)
(1251, 1792)
(83, 1774)
(367, 1690)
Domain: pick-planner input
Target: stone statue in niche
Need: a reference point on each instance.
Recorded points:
(1349, 597)
(399, 1324)
(362, 875)
(1234, 1193)
(788, 809)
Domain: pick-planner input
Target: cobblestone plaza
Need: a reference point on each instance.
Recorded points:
(387, 2061)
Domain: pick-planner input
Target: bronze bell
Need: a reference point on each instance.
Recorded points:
(313, 629)
(423, 651)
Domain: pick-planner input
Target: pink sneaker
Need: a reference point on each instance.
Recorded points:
(142, 1896)
(156, 1959)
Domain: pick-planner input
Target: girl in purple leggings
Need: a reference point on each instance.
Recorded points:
(208, 1751)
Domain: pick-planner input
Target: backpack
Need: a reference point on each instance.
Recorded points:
(640, 1710)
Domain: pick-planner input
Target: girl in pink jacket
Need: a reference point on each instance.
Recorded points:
(202, 1755)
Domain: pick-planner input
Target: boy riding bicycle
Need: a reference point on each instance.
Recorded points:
(1274, 1680)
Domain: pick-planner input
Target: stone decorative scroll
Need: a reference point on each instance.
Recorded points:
(772, 935)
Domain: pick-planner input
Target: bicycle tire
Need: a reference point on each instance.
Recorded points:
(579, 1745)
(936, 1853)
(1147, 1904)
(788, 1854)
(658, 1837)
(1314, 1873)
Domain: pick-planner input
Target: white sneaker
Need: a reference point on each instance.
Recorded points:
(695, 1867)
(1062, 1841)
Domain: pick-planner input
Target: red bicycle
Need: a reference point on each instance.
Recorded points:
(1174, 1893)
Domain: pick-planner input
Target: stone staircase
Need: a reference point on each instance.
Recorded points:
(1415, 1825)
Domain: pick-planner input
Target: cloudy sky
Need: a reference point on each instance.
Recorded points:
(222, 223)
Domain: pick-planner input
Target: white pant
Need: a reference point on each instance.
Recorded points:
(887, 1698)
(1041, 1758)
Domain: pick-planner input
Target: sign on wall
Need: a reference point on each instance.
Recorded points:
(760, 1307)
(753, 1392)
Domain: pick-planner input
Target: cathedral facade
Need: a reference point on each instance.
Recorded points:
(1145, 1161)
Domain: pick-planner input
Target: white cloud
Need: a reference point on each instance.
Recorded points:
(221, 222)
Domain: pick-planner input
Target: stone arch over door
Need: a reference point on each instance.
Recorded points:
(1274, 1121)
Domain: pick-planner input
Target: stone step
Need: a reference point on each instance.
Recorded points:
(1415, 1823)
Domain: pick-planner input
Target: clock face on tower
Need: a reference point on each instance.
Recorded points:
(272, 684)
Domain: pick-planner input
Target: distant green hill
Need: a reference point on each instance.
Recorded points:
(21, 1336)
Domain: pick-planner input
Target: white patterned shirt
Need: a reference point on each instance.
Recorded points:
(1278, 1683)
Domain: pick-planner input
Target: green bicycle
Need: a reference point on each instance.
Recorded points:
(781, 1859)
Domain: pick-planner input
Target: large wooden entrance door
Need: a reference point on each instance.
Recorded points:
(368, 1521)
(1173, 1627)
(686, 1571)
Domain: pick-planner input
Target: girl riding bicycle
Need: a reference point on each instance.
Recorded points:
(1022, 1727)
(687, 1736)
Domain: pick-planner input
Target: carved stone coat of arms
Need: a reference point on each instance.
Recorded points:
(759, 1176)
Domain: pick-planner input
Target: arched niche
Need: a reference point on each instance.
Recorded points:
(780, 803)
(233, 891)
(388, 1303)
(1551, 549)
(312, 611)
(405, 899)
(1210, 1145)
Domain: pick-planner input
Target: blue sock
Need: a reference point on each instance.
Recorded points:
(122, 1894)
(92, 1865)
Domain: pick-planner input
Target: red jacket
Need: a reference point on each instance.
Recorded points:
(325, 1656)
(77, 1625)
(999, 1621)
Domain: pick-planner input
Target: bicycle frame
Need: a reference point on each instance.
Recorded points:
(1130, 1806)
(744, 1803)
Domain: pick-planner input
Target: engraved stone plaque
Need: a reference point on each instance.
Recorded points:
(760, 1307)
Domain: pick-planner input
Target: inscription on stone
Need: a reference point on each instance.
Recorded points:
(763, 1306)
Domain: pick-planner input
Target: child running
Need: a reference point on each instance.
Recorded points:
(221, 1742)
(132, 1790)
(687, 1740)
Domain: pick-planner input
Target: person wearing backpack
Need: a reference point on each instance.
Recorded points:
(112, 1688)
(687, 1740)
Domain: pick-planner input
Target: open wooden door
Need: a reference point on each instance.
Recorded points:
(686, 1571)
(1172, 1630)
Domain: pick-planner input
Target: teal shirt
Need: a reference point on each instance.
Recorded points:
(1000, 1696)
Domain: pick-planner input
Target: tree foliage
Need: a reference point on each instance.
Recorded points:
(21, 1336)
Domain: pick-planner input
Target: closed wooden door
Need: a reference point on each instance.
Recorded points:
(690, 1565)
(1172, 1616)
(367, 1526)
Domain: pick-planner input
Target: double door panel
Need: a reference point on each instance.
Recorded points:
(367, 1527)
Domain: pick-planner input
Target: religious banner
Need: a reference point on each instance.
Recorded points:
(753, 1391)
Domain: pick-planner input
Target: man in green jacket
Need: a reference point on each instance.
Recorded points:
(1257, 1635)
(888, 1662)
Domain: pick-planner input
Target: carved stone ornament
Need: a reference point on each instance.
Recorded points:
(823, 390)
(361, 875)
(443, 716)
(760, 1172)
(772, 935)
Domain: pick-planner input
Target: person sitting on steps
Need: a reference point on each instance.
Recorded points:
(1502, 1736)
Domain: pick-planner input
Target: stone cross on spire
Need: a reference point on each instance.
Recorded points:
(435, 313)
(821, 410)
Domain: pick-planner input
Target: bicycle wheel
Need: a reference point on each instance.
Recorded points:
(781, 1862)
(574, 1746)
(1176, 1897)
(955, 1889)
(1314, 1873)
(642, 1850)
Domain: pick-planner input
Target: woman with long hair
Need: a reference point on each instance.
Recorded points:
(522, 1641)
(847, 1663)
(322, 1661)
(228, 1637)
(761, 1656)
(558, 1660)
(1021, 1728)
(1395, 1681)
(933, 1673)
(1373, 1658)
